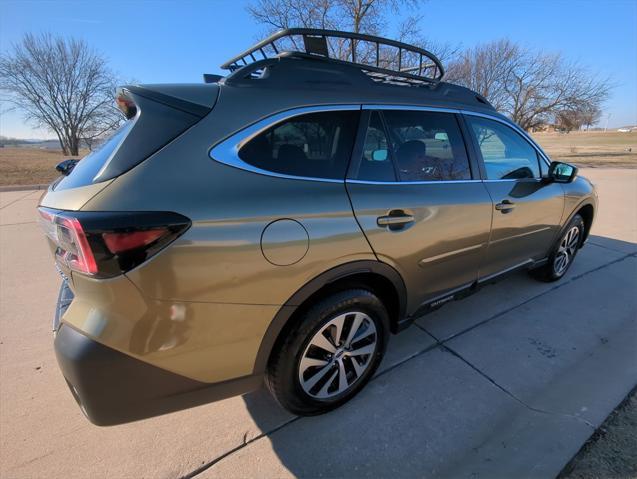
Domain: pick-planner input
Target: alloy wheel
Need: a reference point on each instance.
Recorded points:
(566, 250)
(338, 355)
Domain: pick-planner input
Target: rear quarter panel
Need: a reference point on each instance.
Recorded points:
(220, 259)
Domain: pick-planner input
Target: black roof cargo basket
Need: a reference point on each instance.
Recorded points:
(382, 59)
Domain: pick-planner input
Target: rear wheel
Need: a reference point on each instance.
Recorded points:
(563, 253)
(330, 353)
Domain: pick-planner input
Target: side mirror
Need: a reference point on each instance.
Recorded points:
(66, 166)
(441, 136)
(379, 155)
(562, 172)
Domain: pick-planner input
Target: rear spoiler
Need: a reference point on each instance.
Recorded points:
(195, 100)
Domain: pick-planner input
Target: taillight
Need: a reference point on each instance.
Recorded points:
(126, 105)
(73, 246)
(104, 244)
(121, 242)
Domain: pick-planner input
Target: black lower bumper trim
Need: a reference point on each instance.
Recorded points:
(114, 388)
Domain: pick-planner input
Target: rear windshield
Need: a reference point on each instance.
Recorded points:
(155, 125)
(88, 167)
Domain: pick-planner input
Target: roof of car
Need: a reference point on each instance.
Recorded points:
(302, 63)
(382, 58)
(313, 80)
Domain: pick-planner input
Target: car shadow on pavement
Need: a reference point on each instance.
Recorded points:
(434, 412)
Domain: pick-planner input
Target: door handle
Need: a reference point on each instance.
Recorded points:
(395, 219)
(505, 206)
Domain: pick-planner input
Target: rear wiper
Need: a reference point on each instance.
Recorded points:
(66, 166)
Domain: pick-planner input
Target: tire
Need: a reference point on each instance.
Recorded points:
(305, 378)
(563, 253)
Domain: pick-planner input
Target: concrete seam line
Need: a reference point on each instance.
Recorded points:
(403, 361)
(6, 188)
(440, 344)
(512, 308)
(16, 200)
(509, 393)
(605, 247)
(208, 465)
(444, 347)
(23, 223)
(422, 328)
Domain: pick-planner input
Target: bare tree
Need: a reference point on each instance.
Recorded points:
(531, 88)
(590, 116)
(485, 70)
(359, 16)
(568, 120)
(62, 85)
(541, 87)
(410, 31)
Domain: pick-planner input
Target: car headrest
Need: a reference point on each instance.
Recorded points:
(410, 150)
(291, 153)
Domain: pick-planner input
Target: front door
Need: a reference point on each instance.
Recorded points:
(419, 200)
(527, 210)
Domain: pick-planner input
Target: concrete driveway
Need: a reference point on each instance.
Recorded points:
(507, 383)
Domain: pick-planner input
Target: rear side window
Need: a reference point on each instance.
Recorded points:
(505, 153)
(316, 145)
(427, 146)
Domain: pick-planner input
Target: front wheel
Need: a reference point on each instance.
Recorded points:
(563, 252)
(330, 353)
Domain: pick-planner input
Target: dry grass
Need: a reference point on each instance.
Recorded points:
(594, 149)
(612, 450)
(29, 166)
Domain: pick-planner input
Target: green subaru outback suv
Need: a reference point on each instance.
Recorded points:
(278, 224)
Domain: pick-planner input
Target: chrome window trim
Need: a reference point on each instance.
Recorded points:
(427, 182)
(528, 180)
(459, 111)
(227, 151)
(439, 109)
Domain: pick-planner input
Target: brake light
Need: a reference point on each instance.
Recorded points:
(105, 244)
(119, 242)
(126, 106)
(74, 247)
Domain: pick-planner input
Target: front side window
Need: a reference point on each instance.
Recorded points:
(505, 153)
(316, 145)
(427, 146)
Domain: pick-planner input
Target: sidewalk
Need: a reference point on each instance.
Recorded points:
(509, 382)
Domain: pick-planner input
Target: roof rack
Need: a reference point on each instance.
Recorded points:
(382, 59)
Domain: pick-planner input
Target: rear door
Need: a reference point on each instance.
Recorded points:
(419, 200)
(527, 210)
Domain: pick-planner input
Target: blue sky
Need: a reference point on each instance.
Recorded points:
(178, 40)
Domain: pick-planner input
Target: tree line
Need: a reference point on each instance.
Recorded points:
(532, 88)
(65, 86)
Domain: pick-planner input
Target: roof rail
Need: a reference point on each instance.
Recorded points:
(382, 59)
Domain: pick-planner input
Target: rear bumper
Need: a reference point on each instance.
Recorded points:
(114, 388)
